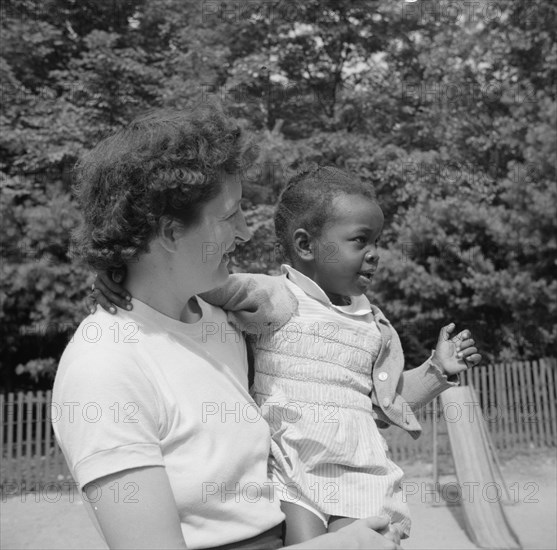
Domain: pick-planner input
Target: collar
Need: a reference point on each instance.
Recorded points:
(154, 318)
(359, 305)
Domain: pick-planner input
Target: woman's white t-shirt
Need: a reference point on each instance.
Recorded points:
(141, 389)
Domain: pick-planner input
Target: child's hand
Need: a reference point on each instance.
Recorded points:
(394, 533)
(108, 292)
(456, 354)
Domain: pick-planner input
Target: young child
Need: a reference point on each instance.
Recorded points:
(328, 364)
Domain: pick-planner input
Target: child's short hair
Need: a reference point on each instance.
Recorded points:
(306, 201)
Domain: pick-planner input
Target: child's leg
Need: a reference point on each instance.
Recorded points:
(337, 522)
(301, 524)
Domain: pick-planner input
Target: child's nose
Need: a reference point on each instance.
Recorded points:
(372, 257)
(243, 232)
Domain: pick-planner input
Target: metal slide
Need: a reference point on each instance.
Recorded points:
(486, 523)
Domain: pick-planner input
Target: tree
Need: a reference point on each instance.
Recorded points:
(450, 114)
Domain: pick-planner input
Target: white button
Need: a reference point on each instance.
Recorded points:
(386, 402)
(383, 376)
(374, 415)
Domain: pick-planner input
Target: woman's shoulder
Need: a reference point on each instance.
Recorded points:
(103, 332)
(210, 311)
(103, 345)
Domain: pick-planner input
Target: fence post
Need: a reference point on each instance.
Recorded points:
(3, 419)
(10, 424)
(501, 404)
(28, 472)
(19, 436)
(544, 391)
(48, 431)
(539, 410)
(39, 436)
(524, 405)
(551, 367)
(511, 410)
(531, 402)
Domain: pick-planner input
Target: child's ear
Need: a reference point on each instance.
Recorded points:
(303, 245)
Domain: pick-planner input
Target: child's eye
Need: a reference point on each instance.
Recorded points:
(361, 240)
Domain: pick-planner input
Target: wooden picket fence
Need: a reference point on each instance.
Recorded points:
(518, 401)
(29, 452)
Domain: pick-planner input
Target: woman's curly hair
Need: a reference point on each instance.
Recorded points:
(164, 164)
(307, 202)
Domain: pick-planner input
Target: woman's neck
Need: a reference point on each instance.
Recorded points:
(147, 282)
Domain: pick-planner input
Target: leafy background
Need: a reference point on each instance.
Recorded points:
(449, 108)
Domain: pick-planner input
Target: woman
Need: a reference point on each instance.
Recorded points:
(160, 431)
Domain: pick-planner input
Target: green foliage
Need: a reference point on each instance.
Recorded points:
(450, 113)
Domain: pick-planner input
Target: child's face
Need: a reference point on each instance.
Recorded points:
(346, 254)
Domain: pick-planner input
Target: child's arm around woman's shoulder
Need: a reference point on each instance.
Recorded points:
(256, 303)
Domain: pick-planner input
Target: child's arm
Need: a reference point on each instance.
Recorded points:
(451, 356)
(255, 302)
(419, 386)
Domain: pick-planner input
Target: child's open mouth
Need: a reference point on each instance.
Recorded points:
(366, 274)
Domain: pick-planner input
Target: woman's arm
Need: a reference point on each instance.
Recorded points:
(136, 509)
(361, 534)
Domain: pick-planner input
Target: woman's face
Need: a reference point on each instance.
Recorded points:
(203, 249)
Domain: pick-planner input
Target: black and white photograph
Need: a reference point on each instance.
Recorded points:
(278, 274)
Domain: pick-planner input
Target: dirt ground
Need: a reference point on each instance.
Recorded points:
(52, 521)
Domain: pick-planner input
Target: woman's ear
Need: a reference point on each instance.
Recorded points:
(169, 232)
(303, 245)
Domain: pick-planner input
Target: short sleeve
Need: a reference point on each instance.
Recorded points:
(106, 416)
